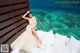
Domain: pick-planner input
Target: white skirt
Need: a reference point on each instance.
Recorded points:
(25, 41)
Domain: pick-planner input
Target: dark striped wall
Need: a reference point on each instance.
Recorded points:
(11, 22)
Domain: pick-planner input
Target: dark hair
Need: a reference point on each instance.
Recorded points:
(28, 15)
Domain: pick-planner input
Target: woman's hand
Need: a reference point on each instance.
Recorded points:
(28, 11)
(24, 16)
(39, 42)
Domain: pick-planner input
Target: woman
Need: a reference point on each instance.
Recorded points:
(28, 39)
(32, 25)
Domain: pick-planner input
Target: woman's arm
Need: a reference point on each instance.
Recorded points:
(38, 40)
(36, 35)
(24, 16)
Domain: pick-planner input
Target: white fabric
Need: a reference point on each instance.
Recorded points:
(40, 32)
(25, 41)
(15, 50)
(73, 45)
(67, 40)
(47, 38)
(60, 48)
(49, 44)
(60, 38)
(78, 50)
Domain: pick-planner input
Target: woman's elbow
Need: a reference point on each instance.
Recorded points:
(23, 17)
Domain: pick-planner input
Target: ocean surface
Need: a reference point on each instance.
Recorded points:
(62, 18)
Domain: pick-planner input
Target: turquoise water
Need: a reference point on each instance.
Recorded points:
(61, 18)
(62, 22)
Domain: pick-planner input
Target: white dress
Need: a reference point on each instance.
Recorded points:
(47, 42)
(50, 44)
(26, 40)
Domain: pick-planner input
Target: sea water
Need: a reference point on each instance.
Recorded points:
(61, 18)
